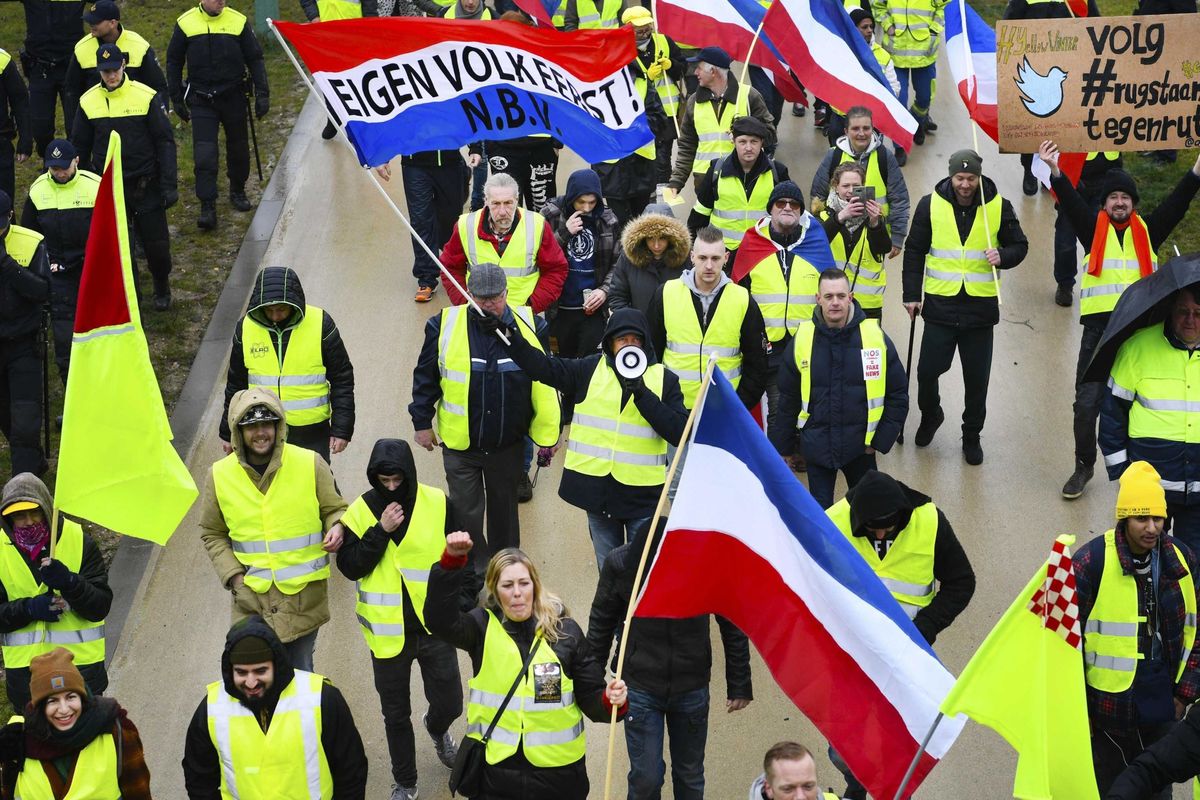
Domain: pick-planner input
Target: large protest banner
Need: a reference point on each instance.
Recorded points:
(1107, 83)
(403, 85)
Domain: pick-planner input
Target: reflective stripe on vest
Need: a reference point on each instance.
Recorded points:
(84, 638)
(454, 351)
(871, 274)
(339, 9)
(688, 348)
(913, 43)
(608, 439)
(550, 732)
(712, 133)
(93, 777)
(784, 305)
(519, 265)
(593, 18)
(131, 44)
(277, 535)
(952, 263)
(874, 351)
(197, 22)
(404, 567)
(734, 212)
(1110, 634)
(286, 761)
(1163, 384)
(907, 569)
(299, 377)
(1099, 293)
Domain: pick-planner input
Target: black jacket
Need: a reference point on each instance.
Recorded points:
(1175, 758)
(753, 335)
(500, 400)
(66, 229)
(879, 495)
(836, 430)
(730, 167)
(14, 109)
(339, 737)
(634, 176)
(466, 630)
(282, 285)
(962, 310)
(1023, 9)
(52, 27)
(147, 145)
(149, 72)
(216, 63)
(605, 495)
(666, 657)
(1165, 7)
(24, 291)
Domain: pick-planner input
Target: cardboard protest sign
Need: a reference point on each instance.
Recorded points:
(1107, 83)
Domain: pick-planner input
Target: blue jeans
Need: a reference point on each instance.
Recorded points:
(608, 533)
(300, 651)
(686, 718)
(922, 82)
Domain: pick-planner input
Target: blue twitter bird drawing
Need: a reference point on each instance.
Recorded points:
(1041, 94)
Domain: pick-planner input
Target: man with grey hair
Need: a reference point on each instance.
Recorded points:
(516, 239)
(485, 406)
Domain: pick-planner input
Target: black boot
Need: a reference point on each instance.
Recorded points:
(238, 199)
(928, 427)
(1075, 484)
(162, 293)
(972, 450)
(208, 215)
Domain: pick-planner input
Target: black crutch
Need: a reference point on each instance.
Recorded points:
(912, 333)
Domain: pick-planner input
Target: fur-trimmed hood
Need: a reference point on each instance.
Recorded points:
(633, 240)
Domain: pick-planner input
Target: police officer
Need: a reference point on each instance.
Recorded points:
(14, 122)
(45, 601)
(59, 207)
(24, 293)
(961, 235)
(51, 29)
(736, 187)
(104, 18)
(218, 46)
(659, 61)
(133, 110)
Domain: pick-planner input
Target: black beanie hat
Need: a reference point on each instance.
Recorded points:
(787, 190)
(1118, 180)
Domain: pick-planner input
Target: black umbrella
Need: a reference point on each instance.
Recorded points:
(1143, 303)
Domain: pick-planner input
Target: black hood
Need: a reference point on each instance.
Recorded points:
(277, 285)
(255, 626)
(388, 457)
(879, 495)
(628, 320)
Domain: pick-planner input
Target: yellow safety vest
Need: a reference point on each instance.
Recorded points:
(914, 43)
(454, 366)
(452, 13)
(404, 567)
(1099, 293)
(130, 99)
(288, 760)
(519, 264)
(79, 192)
(907, 569)
(339, 9)
(560, 15)
(131, 44)
(688, 347)
(93, 778)
(650, 149)
(607, 439)
(84, 638)
(712, 132)
(592, 18)
(276, 536)
(197, 22)
(1110, 635)
(873, 349)
(1163, 384)
(952, 263)
(667, 89)
(550, 732)
(5, 59)
(22, 244)
(872, 276)
(784, 303)
(734, 212)
(298, 377)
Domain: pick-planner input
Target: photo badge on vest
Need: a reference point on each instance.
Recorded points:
(547, 683)
(630, 362)
(872, 361)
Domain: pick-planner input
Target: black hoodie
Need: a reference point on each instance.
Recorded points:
(339, 737)
(571, 376)
(880, 495)
(282, 285)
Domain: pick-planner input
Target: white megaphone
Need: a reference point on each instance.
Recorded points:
(631, 362)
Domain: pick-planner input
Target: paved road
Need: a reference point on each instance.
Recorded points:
(355, 261)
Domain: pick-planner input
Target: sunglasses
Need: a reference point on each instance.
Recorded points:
(788, 204)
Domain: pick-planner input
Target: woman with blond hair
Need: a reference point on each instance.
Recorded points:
(522, 640)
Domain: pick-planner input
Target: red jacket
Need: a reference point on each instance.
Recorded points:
(551, 263)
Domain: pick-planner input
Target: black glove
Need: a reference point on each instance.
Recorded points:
(12, 742)
(39, 608)
(632, 385)
(58, 577)
(169, 198)
(262, 104)
(182, 111)
(489, 323)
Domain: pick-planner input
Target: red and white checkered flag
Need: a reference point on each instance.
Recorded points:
(1055, 602)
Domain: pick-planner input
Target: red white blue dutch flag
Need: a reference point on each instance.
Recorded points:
(403, 85)
(971, 48)
(746, 540)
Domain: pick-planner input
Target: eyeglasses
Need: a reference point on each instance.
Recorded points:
(788, 204)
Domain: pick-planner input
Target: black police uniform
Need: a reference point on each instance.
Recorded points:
(142, 66)
(14, 120)
(24, 291)
(148, 162)
(62, 213)
(218, 50)
(51, 29)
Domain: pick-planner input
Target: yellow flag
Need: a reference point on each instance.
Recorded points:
(1026, 683)
(116, 465)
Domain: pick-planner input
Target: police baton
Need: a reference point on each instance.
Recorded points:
(44, 335)
(249, 87)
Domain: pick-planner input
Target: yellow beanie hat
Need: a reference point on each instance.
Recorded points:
(1141, 493)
